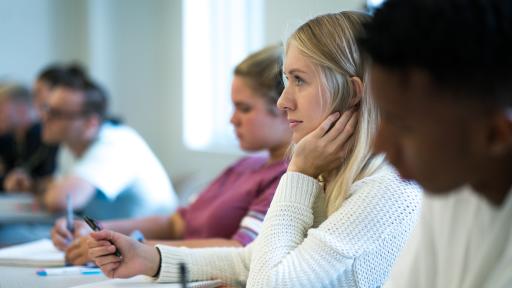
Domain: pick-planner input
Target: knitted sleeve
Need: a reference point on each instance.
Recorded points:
(231, 265)
(354, 247)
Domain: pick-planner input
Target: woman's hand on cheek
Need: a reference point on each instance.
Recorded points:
(323, 150)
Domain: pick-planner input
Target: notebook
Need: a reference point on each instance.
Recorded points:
(40, 253)
(147, 282)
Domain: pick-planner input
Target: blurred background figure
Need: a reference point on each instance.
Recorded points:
(23, 156)
(107, 168)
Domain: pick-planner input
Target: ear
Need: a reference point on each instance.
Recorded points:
(358, 88)
(501, 132)
(93, 124)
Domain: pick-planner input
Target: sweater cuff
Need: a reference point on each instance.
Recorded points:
(297, 188)
(170, 257)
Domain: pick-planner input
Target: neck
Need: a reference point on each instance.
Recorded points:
(78, 148)
(278, 152)
(496, 182)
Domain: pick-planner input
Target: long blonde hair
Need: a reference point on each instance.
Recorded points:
(330, 42)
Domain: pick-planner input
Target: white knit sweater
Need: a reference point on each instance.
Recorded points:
(299, 247)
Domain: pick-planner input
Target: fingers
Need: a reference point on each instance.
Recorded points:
(59, 242)
(110, 269)
(326, 124)
(91, 243)
(338, 127)
(102, 235)
(103, 255)
(60, 235)
(77, 253)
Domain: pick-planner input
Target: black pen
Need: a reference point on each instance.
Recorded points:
(95, 226)
(183, 275)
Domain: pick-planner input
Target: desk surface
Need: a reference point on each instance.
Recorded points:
(25, 277)
(22, 208)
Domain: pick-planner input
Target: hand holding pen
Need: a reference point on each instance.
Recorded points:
(95, 226)
(137, 258)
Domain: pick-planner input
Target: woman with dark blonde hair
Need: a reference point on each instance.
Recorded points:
(340, 214)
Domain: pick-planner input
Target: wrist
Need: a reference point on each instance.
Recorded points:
(156, 263)
(302, 170)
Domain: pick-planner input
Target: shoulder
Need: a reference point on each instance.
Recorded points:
(120, 137)
(386, 183)
(249, 163)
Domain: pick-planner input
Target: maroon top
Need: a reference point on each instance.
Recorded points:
(233, 205)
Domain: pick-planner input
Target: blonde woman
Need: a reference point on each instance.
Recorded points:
(340, 215)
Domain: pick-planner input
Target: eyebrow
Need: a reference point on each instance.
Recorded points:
(294, 71)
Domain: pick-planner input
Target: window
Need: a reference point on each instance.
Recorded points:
(217, 35)
(374, 4)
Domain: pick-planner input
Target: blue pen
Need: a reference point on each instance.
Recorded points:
(74, 270)
(69, 214)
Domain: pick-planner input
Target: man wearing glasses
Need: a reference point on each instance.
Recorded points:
(107, 168)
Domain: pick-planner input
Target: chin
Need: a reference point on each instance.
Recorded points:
(296, 138)
(438, 188)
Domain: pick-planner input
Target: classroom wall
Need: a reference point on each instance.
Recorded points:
(133, 47)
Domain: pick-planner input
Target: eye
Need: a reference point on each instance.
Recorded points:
(297, 80)
(244, 108)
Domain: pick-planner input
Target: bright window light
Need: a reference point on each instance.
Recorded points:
(217, 35)
(373, 4)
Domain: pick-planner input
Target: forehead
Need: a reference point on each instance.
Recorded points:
(295, 59)
(413, 96)
(65, 98)
(242, 92)
(404, 93)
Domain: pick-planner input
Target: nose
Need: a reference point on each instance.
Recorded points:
(235, 120)
(285, 101)
(44, 115)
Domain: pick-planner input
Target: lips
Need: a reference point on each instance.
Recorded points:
(294, 123)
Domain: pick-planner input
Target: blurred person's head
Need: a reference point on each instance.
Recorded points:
(442, 78)
(326, 72)
(49, 78)
(16, 110)
(74, 111)
(256, 87)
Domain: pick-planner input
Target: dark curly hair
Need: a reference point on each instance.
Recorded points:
(464, 45)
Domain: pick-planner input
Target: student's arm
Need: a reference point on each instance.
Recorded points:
(196, 243)
(377, 217)
(80, 190)
(153, 227)
(230, 265)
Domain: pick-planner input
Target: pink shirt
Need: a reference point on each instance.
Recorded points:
(233, 205)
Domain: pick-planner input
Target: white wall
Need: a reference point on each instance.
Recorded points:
(133, 47)
(284, 16)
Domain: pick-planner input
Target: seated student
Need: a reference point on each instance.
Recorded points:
(24, 159)
(343, 231)
(442, 78)
(229, 212)
(107, 169)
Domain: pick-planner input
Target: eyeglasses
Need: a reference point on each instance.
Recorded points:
(55, 113)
